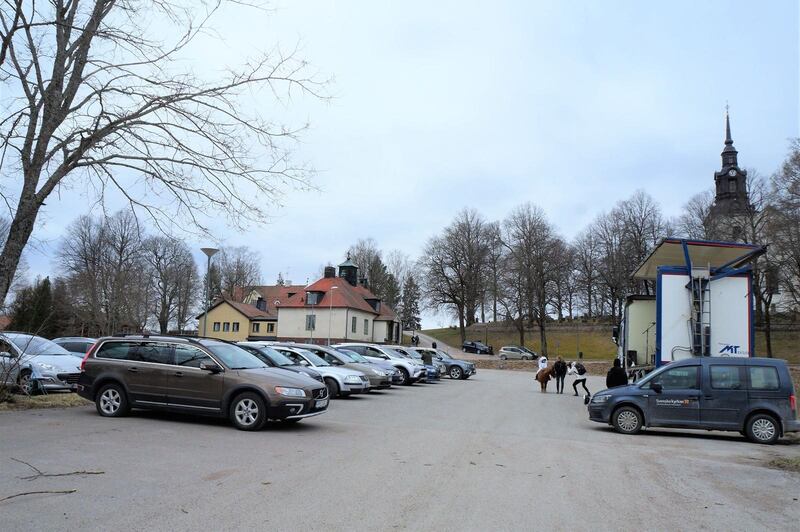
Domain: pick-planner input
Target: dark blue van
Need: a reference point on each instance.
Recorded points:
(754, 396)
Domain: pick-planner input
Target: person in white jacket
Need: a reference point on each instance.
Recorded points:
(542, 365)
(579, 379)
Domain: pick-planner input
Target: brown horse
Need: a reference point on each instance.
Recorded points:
(543, 376)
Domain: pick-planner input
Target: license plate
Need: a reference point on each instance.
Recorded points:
(321, 403)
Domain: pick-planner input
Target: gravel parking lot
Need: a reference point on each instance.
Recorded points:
(489, 453)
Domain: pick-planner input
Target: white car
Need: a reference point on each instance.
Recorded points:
(341, 382)
(35, 363)
(411, 370)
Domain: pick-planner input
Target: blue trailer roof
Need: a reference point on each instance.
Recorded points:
(696, 253)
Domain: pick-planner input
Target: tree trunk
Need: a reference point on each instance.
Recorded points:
(768, 329)
(461, 329)
(18, 234)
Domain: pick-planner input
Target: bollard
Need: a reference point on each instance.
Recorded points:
(580, 354)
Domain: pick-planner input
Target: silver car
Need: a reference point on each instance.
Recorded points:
(515, 352)
(36, 363)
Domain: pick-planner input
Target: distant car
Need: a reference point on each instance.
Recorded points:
(515, 352)
(341, 382)
(754, 396)
(35, 363)
(410, 370)
(433, 371)
(393, 372)
(198, 376)
(275, 359)
(455, 368)
(77, 345)
(479, 348)
(378, 377)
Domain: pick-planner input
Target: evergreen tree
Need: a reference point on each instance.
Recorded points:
(391, 295)
(409, 314)
(32, 310)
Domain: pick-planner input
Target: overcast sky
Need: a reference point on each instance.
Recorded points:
(444, 105)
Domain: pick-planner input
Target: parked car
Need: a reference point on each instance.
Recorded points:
(479, 348)
(393, 372)
(434, 371)
(275, 359)
(515, 352)
(35, 363)
(754, 396)
(411, 371)
(455, 368)
(341, 382)
(198, 376)
(378, 377)
(77, 345)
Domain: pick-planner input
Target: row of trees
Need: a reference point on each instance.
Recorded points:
(522, 271)
(114, 278)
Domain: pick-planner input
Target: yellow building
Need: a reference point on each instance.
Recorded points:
(234, 321)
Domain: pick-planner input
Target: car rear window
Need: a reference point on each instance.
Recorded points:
(726, 377)
(116, 350)
(764, 378)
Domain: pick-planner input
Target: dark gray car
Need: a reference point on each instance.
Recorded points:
(754, 396)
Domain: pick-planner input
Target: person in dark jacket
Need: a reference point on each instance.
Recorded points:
(616, 376)
(560, 373)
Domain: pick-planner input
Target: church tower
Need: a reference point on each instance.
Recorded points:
(731, 199)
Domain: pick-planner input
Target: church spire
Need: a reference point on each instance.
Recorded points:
(729, 153)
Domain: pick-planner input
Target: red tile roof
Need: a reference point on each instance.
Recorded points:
(249, 311)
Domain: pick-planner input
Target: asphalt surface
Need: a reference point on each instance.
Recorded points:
(490, 453)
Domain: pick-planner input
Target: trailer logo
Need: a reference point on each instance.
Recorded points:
(729, 349)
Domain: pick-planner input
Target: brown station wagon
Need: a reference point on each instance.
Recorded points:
(198, 376)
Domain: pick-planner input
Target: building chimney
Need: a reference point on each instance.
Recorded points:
(330, 272)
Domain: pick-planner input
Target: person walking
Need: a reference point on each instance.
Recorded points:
(579, 371)
(616, 376)
(560, 373)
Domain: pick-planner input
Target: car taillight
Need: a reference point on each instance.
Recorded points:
(793, 403)
(88, 354)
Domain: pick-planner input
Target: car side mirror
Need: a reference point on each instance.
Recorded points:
(656, 387)
(211, 367)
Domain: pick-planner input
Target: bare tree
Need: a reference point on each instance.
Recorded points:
(94, 94)
(692, 223)
(171, 265)
(238, 267)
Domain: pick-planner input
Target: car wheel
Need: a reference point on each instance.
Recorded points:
(456, 372)
(248, 411)
(111, 401)
(762, 428)
(525, 358)
(503, 357)
(405, 378)
(333, 388)
(25, 383)
(627, 420)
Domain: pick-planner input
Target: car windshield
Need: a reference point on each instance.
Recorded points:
(234, 357)
(394, 353)
(652, 374)
(268, 354)
(352, 355)
(526, 350)
(314, 359)
(443, 354)
(36, 345)
(480, 344)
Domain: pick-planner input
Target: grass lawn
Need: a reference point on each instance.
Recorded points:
(787, 464)
(53, 400)
(595, 342)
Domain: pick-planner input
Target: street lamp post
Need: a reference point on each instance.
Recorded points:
(330, 312)
(209, 252)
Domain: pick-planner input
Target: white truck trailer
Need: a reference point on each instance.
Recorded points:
(703, 305)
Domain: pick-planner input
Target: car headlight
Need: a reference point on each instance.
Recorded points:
(379, 373)
(290, 392)
(352, 379)
(600, 399)
(45, 367)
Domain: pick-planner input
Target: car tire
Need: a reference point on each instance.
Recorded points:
(503, 357)
(248, 411)
(456, 373)
(333, 388)
(405, 378)
(627, 420)
(525, 358)
(112, 401)
(762, 428)
(25, 384)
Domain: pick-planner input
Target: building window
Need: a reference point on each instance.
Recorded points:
(235, 326)
(353, 326)
(313, 298)
(256, 327)
(216, 326)
(311, 322)
(270, 327)
(226, 327)
(731, 185)
(366, 326)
